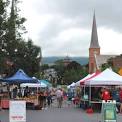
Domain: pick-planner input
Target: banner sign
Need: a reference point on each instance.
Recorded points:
(17, 111)
(109, 111)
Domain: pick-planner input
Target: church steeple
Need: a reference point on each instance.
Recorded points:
(94, 48)
(94, 38)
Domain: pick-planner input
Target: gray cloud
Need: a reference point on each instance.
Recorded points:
(74, 14)
(108, 13)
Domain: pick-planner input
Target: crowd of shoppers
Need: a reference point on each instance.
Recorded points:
(58, 95)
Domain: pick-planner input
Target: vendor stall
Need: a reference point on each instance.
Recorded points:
(32, 99)
(85, 89)
(105, 79)
(13, 91)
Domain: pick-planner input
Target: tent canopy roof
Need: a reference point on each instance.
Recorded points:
(33, 85)
(30, 85)
(71, 85)
(78, 82)
(45, 82)
(19, 77)
(107, 77)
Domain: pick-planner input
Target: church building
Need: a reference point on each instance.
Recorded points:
(95, 57)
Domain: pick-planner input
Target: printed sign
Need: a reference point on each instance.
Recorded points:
(17, 111)
(109, 114)
(109, 111)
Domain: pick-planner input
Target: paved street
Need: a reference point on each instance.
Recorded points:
(53, 114)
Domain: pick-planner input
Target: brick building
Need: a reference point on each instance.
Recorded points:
(96, 59)
(117, 62)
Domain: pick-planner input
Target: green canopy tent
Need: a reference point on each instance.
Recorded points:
(45, 82)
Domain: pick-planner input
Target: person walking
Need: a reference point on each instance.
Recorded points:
(49, 99)
(41, 99)
(59, 95)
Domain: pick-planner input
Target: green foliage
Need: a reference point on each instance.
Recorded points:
(104, 66)
(3, 9)
(109, 64)
(73, 65)
(38, 75)
(74, 72)
(15, 51)
(31, 60)
(67, 74)
(44, 67)
(70, 73)
(71, 76)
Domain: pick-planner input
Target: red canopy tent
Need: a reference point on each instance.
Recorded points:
(91, 76)
(82, 83)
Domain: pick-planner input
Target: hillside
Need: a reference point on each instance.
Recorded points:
(51, 60)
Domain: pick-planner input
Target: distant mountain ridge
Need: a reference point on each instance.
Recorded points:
(51, 60)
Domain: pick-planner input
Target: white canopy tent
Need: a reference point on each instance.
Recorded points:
(71, 85)
(107, 77)
(30, 85)
(33, 85)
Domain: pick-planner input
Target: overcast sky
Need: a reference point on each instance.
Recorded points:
(63, 27)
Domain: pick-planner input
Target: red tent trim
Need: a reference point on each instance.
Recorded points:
(92, 76)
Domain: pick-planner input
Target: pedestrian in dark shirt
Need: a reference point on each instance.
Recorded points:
(26, 91)
(49, 98)
(14, 92)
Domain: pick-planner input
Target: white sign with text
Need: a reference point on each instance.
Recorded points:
(17, 111)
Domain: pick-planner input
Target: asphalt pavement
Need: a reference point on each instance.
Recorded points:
(54, 114)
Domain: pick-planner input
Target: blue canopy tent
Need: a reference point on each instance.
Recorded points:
(20, 77)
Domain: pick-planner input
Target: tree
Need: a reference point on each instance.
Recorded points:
(108, 64)
(33, 56)
(16, 53)
(71, 76)
(104, 66)
(59, 67)
(70, 73)
(44, 67)
(74, 72)
(28, 57)
(3, 17)
(73, 65)
(11, 37)
(14, 30)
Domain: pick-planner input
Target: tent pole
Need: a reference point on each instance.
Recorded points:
(84, 89)
(84, 92)
(37, 95)
(90, 95)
